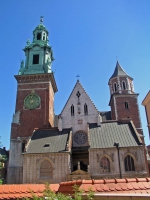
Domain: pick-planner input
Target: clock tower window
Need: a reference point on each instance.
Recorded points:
(35, 59)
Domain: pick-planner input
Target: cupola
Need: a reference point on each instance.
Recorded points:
(40, 33)
(39, 54)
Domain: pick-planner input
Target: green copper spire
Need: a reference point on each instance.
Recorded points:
(39, 54)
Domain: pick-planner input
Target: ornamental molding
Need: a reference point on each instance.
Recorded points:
(34, 78)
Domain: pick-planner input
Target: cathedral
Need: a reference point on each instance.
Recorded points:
(79, 143)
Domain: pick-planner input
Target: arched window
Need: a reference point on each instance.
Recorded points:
(43, 36)
(104, 165)
(126, 105)
(129, 163)
(115, 87)
(46, 169)
(72, 110)
(24, 146)
(85, 109)
(123, 85)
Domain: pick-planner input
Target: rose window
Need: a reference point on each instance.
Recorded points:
(80, 137)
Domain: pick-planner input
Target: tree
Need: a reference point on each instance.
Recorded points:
(2, 161)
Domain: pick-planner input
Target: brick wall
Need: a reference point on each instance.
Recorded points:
(131, 112)
(40, 117)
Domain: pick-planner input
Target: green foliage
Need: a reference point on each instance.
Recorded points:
(77, 192)
(2, 160)
(50, 195)
(90, 194)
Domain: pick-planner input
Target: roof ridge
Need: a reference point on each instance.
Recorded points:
(88, 96)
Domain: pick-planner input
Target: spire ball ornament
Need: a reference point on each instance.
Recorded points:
(41, 19)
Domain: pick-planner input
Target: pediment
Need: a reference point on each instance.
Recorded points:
(79, 172)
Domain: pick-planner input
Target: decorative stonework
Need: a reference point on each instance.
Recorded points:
(80, 137)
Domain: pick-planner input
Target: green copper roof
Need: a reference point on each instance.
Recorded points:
(40, 27)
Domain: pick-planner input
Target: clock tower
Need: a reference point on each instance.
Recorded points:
(35, 98)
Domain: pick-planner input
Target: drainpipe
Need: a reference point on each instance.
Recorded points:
(117, 146)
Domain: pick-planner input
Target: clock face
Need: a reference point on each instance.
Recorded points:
(32, 101)
(80, 137)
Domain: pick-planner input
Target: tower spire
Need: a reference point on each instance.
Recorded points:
(119, 71)
(120, 81)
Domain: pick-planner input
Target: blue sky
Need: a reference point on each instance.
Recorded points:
(87, 37)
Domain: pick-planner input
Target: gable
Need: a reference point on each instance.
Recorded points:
(79, 97)
(77, 113)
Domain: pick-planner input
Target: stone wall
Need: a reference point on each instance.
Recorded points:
(60, 163)
(95, 155)
(15, 161)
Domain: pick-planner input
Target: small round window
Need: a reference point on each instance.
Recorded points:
(80, 137)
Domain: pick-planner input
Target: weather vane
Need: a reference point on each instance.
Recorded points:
(77, 76)
(41, 19)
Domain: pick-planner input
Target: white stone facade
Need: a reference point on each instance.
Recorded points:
(95, 156)
(15, 167)
(79, 120)
(60, 163)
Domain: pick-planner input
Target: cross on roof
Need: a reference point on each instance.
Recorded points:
(77, 76)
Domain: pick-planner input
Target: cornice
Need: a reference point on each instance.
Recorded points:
(35, 78)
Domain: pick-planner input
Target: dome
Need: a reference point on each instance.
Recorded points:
(41, 27)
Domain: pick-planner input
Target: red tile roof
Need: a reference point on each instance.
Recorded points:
(112, 186)
(121, 187)
(24, 190)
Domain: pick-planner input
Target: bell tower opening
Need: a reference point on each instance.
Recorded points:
(38, 36)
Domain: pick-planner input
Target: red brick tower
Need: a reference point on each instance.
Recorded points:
(35, 99)
(123, 100)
